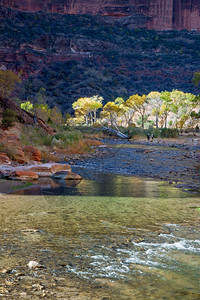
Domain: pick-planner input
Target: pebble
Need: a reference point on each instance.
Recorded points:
(30, 230)
(5, 271)
(33, 264)
(9, 283)
(23, 294)
(19, 274)
(38, 286)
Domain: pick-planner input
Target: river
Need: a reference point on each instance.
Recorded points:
(122, 237)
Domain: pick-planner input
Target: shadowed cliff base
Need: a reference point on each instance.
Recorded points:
(161, 14)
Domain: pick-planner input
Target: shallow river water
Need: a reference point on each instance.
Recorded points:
(124, 237)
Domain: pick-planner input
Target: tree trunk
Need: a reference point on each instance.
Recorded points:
(142, 122)
(116, 132)
(86, 120)
(166, 121)
(91, 119)
(95, 116)
(156, 121)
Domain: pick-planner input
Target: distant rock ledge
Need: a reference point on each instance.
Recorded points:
(160, 14)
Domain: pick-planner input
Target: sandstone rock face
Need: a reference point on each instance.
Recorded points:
(162, 14)
(32, 153)
(11, 142)
(47, 170)
(60, 167)
(22, 175)
(32, 172)
(174, 14)
(4, 159)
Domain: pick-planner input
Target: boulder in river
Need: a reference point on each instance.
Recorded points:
(66, 175)
(46, 170)
(22, 175)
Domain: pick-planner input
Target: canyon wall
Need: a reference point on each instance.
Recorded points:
(162, 14)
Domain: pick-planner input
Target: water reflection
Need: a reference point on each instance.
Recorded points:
(105, 185)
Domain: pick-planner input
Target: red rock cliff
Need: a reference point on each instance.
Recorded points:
(163, 14)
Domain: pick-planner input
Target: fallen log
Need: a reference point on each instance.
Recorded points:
(116, 132)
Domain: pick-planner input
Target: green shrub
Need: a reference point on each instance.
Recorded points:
(169, 132)
(35, 136)
(65, 138)
(133, 131)
(9, 118)
(162, 132)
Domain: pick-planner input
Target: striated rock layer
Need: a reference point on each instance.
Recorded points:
(162, 14)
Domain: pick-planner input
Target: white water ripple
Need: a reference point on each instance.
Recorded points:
(166, 252)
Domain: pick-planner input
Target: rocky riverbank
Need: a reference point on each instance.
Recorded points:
(176, 161)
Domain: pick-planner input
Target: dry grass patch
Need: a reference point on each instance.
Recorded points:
(79, 147)
(92, 142)
(47, 156)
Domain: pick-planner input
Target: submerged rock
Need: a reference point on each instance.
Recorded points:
(65, 175)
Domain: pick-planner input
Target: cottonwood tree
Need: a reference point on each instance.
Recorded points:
(122, 112)
(182, 106)
(166, 107)
(111, 111)
(155, 102)
(87, 107)
(27, 106)
(95, 104)
(194, 118)
(115, 112)
(139, 104)
(127, 112)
